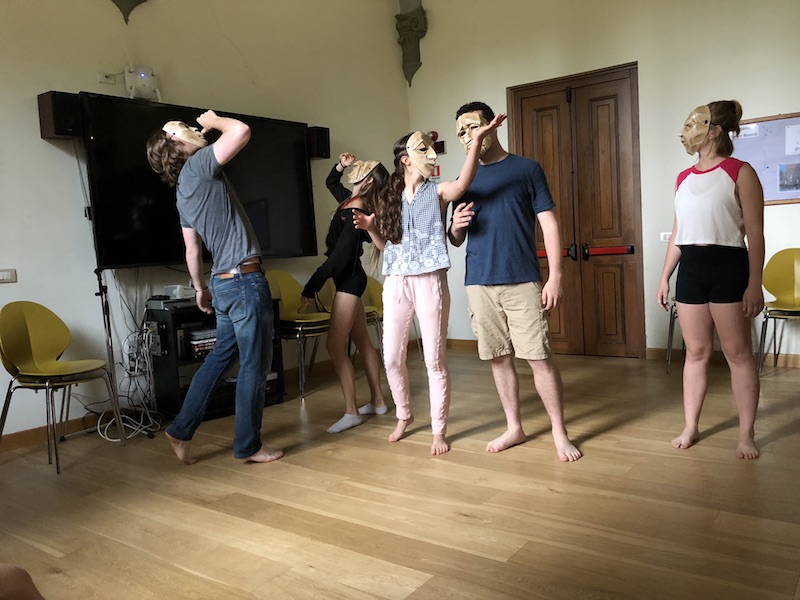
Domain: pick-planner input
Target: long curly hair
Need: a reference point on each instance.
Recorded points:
(369, 192)
(166, 157)
(389, 205)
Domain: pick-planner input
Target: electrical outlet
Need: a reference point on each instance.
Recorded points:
(108, 78)
(665, 235)
(8, 276)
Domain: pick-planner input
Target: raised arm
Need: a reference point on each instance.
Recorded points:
(235, 135)
(450, 191)
(334, 180)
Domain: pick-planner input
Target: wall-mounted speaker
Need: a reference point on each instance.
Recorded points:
(59, 116)
(319, 142)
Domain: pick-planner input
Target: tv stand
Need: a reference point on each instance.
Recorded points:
(176, 357)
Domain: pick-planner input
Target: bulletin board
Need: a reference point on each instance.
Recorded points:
(772, 147)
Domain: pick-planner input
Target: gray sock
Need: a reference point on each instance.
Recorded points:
(346, 422)
(371, 409)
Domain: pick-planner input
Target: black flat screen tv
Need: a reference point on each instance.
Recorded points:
(134, 219)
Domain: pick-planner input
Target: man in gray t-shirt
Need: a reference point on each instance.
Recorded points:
(237, 292)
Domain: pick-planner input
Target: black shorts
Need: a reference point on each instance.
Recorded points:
(717, 274)
(354, 282)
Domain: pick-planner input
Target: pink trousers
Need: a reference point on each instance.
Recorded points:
(429, 297)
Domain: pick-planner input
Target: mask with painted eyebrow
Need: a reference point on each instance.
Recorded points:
(695, 129)
(421, 153)
(466, 125)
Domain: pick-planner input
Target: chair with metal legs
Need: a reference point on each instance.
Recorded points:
(781, 278)
(673, 316)
(296, 324)
(32, 340)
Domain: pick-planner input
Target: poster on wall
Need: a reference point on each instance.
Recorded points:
(772, 147)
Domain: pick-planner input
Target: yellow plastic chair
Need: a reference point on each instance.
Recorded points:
(296, 324)
(781, 278)
(32, 340)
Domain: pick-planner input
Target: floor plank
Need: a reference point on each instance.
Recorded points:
(354, 517)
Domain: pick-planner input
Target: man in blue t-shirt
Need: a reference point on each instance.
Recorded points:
(237, 292)
(508, 302)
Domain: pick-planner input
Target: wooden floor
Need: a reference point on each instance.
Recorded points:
(350, 516)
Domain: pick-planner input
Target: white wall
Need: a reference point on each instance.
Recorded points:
(337, 64)
(688, 53)
(332, 64)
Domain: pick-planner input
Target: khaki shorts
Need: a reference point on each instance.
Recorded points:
(509, 319)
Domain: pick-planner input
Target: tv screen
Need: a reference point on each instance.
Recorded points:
(134, 219)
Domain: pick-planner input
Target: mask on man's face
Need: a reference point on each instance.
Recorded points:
(421, 153)
(466, 125)
(695, 129)
(181, 131)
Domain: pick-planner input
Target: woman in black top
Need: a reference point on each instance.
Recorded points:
(343, 264)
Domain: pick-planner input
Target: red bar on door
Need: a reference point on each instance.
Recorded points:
(543, 254)
(608, 250)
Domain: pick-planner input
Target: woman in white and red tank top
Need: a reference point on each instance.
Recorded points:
(718, 203)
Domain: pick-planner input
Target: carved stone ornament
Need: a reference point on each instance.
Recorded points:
(412, 27)
(126, 6)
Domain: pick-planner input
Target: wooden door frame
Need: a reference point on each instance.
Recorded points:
(514, 97)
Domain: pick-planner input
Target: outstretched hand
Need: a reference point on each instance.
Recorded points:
(482, 132)
(362, 221)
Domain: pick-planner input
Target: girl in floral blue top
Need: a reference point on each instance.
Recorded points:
(408, 225)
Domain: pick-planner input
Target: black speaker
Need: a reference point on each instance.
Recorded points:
(319, 142)
(59, 116)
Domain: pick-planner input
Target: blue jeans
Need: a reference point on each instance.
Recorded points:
(243, 307)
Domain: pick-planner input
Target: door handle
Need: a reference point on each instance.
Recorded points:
(572, 251)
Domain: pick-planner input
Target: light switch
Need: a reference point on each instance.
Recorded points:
(8, 276)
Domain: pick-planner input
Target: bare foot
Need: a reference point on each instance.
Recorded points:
(505, 441)
(746, 448)
(398, 432)
(181, 449)
(440, 444)
(688, 437)
(265, 455)
(567, 452)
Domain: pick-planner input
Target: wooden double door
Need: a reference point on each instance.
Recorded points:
(584, 132)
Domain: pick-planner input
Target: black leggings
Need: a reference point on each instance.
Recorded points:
(717, 274)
